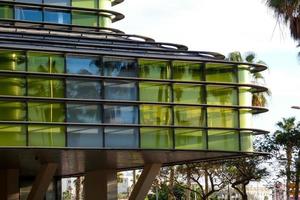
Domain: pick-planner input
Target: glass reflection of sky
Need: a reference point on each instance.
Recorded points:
(83, 65)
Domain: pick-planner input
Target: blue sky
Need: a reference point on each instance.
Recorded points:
(225, 26)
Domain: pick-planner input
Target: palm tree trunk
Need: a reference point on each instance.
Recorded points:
(288, 171)
(296, 195)
(188, 180)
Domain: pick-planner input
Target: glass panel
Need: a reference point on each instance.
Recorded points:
(38, 62)
(156, 138)
(58, 2)
(187, 71)
(84, 19)
(12, 111)
(189, 116)
(46, 112)
(246, 118)
(104, 21)
(155, 115)
(121, 137)
(245, 96)
(244, 74)
(105, 4)
(42, 87)
(221, 95)
(81, 113)
(119, 67)
(246, 141)
(154, 69)
(223, 140)
(190, 139)
(83, 65)
(120, 114)
(6, 12)
(155, 92)
(85, 3)
(30, 1)
(85, 137)
(216, 72)
(12, 135)
(186, 93)
(58, 17)
(222, 117)
(117, 90)
(50, 136)
(28, 14)
(14, 61)
(83, 89)
(12, 86)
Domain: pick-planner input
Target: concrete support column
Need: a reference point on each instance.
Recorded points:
(42, 181)
(9, 184)
(101, 185)
(145, 181)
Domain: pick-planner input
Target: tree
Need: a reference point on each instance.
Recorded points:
(287, 12)
(284, 145)
(241, 171)
(258, 98)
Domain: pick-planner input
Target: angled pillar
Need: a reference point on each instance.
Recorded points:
(101, 185)
(144, 183)
(9, 184)
(42, 181)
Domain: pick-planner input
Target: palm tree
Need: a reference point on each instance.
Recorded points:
(285, 137)
(287, 12)
(259, 98)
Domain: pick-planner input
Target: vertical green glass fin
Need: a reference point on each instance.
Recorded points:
(105, 4)
(190, 139)
(85, 3)
(244, 74)
(104, 21)
(12, 60)
(246, 141)
(12, 135)
(154, 69)
(216, 72)
(48, 63)
(187, 71)
(6, 12)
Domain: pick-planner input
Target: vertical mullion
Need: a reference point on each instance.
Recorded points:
(139, 105)
(236, 71)
(204, 99)
(26, 94)
(172, 100)
(65, 103)
(101, 63)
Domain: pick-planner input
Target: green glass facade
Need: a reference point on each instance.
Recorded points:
(83, 101)
(84, 13)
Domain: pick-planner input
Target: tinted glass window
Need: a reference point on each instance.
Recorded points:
(119, 67)
(82, 89)
(83, 65)
(29, 1)
(84, 19)
(29, 14)
(6, 12)
(12, 135)
(85, 137)
(46, 112)
(52, 136)
(120, 114)
(58, 2)
(82, 113)
(121, 137)
(120, 90)
(57, 17)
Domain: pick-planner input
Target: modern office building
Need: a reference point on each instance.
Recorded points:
(80, 98)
